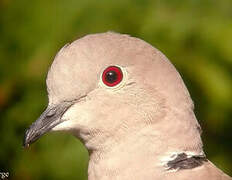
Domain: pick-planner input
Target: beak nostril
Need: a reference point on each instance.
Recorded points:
(51, 113)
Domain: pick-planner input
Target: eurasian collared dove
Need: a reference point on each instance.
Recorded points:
(128, 104)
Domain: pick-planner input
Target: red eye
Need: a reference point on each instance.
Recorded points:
(112, 76)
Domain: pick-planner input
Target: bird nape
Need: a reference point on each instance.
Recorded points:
(129, 105)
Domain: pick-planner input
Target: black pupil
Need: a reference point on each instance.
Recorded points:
(111, 76)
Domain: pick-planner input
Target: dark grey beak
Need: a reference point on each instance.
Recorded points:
(48, 119)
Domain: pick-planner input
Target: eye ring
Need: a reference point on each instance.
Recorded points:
(112, 76)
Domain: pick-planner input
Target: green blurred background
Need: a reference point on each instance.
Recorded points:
(196, 35)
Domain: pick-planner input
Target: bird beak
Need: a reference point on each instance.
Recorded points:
(51, 117)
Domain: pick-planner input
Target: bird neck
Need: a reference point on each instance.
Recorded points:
(151, 146)
(125, 159)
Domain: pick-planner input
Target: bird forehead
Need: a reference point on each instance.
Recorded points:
(91, 54)
(105, 48)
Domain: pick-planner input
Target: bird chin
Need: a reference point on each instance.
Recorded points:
(64, 126)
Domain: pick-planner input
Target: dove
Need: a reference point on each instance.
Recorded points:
(129, 106)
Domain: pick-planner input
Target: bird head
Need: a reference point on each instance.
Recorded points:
(108, 86)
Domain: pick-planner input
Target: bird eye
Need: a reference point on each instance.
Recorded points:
(112, 76)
